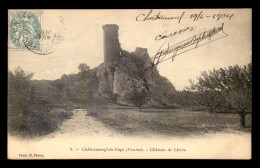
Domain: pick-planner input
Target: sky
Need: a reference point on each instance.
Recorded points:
(82, 41)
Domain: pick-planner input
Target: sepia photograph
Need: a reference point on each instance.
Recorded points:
(129, 84)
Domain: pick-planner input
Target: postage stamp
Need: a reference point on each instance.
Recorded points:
(24, 30)
(28, 33)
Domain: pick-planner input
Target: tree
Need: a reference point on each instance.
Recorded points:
(226, 90)
(59, 84)
(241, 101)
(83, 67)
(19, 97)
(19, 90)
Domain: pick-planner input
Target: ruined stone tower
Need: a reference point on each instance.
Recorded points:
(111, 43)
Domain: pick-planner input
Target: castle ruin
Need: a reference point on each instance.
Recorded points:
(123, 75)
(111, 43)
(112, 47)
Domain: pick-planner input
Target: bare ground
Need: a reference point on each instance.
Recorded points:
(80, 124)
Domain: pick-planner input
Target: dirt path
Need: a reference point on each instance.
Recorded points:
(80, 124)
(82, 132)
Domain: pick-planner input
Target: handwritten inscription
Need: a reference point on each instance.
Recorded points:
(158, 16)
(160, 37)
(186, 45)
(152, 16)
(218, 16)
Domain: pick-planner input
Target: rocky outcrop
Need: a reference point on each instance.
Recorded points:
(121, 79)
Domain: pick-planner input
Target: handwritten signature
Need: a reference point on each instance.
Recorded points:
(186, 45)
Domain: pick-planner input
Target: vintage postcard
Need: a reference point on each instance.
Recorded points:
(130, 84)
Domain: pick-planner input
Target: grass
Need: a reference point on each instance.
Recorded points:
(172, 122)
(129, 121)
(38, 121)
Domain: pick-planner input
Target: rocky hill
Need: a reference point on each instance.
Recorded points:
(130, 75)
(124, 78)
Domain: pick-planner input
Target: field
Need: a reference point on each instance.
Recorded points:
(166, 122)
